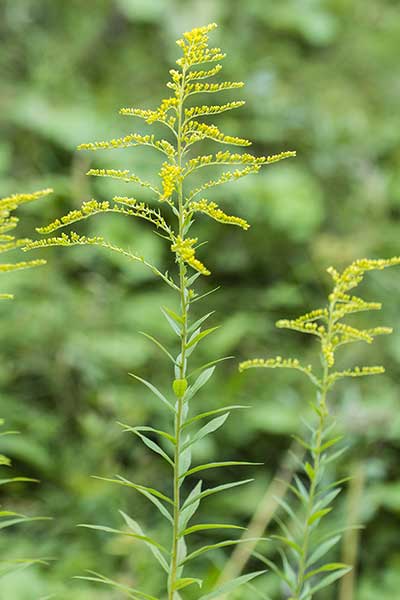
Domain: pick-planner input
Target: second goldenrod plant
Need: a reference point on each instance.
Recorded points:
(182, 202)
(303, 569)
(9, 242)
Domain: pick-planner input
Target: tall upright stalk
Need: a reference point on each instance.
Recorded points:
(304, 570)
(180, 204)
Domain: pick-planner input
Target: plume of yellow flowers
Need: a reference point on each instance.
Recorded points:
(8, 223)
(326, 324)
(185, 131)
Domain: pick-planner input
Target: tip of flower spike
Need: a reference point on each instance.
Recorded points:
(198, 32)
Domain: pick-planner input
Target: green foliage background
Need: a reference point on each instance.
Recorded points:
(322, 79)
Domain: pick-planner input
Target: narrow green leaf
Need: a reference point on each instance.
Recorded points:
(155, 391)
(318, 515)
(302, 442)
(151, 444)
(289, 543)
(197, 298)
(215, 465)
(327, 499)
(223, 544)
(214, 490)
(322, 549)
(209, 364)
(175, 321)
(330, 443)
(273, 566)
(16, 521)
(330, 579)
(143, 538)
(200, 321)
(205, 526)
(211, 426)
(155, 548)
(17, 480)
(135, 486)
(150, 493)
(163, 434)
(231, 585)
(283, 504)
(159, 345)
(186, 581)
(198, 384)
(210, 413)
(310, 471)
(196, 338)
(325, 568)
(133, 593)
(334, 456)
(190, 505)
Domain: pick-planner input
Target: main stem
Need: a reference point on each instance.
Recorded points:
(184, 307)
(316, 459)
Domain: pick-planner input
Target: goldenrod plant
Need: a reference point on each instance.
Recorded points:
(304, 570)
(9, 242)
(181, 203)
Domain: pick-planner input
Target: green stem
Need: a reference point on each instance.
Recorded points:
(184, 306)
(316, 459)
(316, 453)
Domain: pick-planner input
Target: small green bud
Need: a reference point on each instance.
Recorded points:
(179, 386)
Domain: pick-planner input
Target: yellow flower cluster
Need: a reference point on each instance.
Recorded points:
(142, 210)
(211, 88)
(136, 209)
(202, 111)
(279, 363)
(352, 304)
(170, 175)
(132, 139)
(302, 326)
(196, 75)
(183, 248)
(334, 333)
(212, 210)
(196, 131)
(229, 158)
(194, 46)
(151, 116)
(71, 239)
(224, 178)
(5, 267)
(10, 203)
(118, 174)
(354, 274)
(88, 208)
(7, 223)
(356, 372)
(319, 313)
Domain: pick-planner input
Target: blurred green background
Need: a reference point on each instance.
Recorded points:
(322, 78)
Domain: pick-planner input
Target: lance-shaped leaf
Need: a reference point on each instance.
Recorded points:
(196, 498)
(216, 465)
(231, 585)
(131, 592)
(155, 391)
(150, 444)
(223, 544)
(152, 494)
(211, 426)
